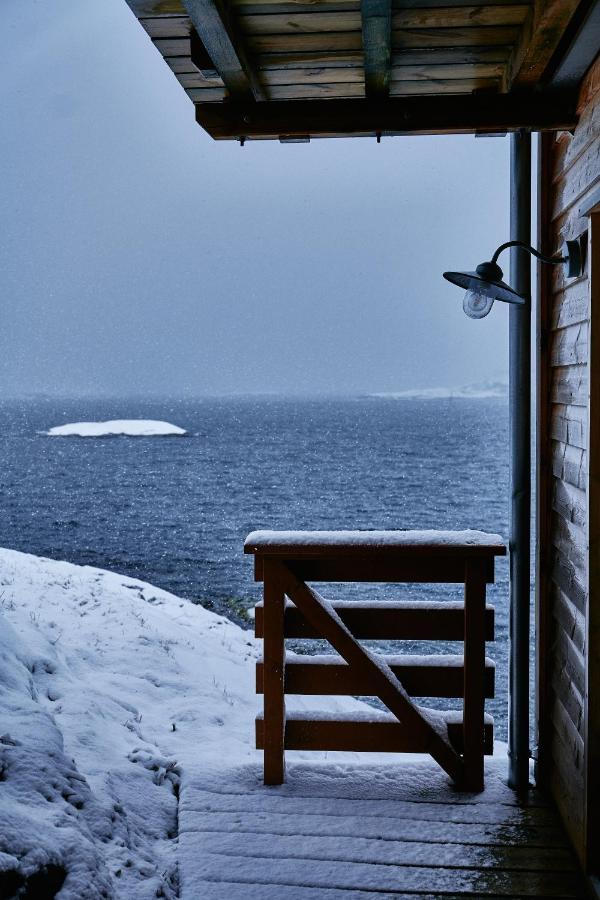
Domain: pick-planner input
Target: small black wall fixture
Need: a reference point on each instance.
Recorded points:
(485, 284)
(482, 287)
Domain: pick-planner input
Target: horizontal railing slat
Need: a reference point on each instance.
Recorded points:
(420, 568)
(379, 736)
(317, 675)
(414, 621)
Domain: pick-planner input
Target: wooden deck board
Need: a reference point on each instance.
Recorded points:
(353, 831)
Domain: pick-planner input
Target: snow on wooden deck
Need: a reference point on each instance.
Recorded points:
(359, 831)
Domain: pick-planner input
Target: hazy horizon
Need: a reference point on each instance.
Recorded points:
(140, 256)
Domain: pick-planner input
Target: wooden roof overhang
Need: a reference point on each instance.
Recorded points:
(296, 69)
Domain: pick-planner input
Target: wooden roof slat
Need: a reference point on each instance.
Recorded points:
(167, 26)
(325, 75)
(442, 114)
(353, 59)
(446, 17)
(376, 20)
(336, 90)
(443, 86)
(417, 38)
(539, 41)
(142, 8)
(218, 35)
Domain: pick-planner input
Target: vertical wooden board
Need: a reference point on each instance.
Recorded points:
(273, 675)
(474, 674)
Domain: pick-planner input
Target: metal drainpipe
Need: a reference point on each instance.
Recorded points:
(520, 463)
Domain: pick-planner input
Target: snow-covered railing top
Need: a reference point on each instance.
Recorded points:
(316, 543)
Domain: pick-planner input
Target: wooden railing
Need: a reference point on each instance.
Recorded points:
(286, 561)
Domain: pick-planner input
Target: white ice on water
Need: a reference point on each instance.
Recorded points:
(128, 427)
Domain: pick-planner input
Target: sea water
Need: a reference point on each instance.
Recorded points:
(174, 511)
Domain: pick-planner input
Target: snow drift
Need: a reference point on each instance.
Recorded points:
(111, 693)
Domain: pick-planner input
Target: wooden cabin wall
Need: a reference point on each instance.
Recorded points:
(569, 180)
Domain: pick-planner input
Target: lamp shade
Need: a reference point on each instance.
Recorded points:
(486, 280)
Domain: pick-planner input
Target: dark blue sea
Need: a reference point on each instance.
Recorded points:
(175, 511)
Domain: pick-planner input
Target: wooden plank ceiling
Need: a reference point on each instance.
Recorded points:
(299, 68)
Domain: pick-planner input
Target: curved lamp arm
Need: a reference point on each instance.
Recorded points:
(554, 260)
(572, 255)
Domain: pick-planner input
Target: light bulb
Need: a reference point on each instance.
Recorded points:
(477, 305)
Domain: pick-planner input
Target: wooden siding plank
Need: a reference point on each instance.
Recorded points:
(569, 502)
(570, 659)
(571, 305)
(570, 619)
(569, 345)
(568, 734)
(570, 579)
(569, 425)
(569, 464)
(570, 385)
(583, 176)
(570, 148)
(570, 697)
(570, 541)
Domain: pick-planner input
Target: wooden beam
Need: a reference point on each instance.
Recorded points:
(376, 21)
(582, 50)
(539, 41)
(476, 113)
(216, 31)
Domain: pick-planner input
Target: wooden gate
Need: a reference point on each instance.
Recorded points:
(287, 561)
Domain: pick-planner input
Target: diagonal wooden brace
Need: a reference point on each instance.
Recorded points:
(321, 615)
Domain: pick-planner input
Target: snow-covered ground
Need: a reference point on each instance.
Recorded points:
(111, 691)
(129, 427)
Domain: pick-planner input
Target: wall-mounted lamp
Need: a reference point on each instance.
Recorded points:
(485, 284)
(482, 287)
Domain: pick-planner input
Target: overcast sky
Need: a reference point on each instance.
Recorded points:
(140, 256)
